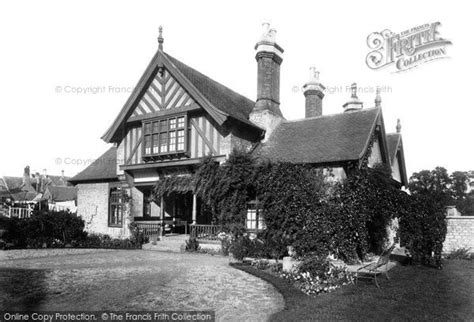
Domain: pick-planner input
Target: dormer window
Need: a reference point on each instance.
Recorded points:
(164, 137)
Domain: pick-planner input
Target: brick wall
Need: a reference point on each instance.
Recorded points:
(460, 233)
(93, 207)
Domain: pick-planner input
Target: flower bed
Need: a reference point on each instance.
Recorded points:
(313, 276)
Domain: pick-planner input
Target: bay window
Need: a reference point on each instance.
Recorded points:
(164, 136)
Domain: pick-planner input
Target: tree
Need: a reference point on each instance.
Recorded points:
(459, 181)
(435, 183)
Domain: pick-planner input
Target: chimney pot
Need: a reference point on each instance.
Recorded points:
(378, 98)
(399, 126)
(354, 103)
(313, 91)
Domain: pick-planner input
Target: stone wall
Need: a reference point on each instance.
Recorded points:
(460, 233)
(93, 207)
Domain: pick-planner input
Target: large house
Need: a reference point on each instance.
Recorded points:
(176, 115)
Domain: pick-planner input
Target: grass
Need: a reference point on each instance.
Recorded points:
(413, 293)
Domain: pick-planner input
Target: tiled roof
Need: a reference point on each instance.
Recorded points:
(59, 180)
(24, 196)
(324, 139)
(13, 182)
(218, 100)
(392, 141)
(222, 97)
(61, 193)
(102, 169)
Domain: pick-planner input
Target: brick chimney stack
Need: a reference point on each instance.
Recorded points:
(313, 91)
(267, 113)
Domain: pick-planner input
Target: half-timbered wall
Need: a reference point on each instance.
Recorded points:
(165, 96)
(163, 93)
(204, 138)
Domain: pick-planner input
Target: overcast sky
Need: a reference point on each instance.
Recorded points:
(51, 50)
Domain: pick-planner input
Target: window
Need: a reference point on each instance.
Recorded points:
(165, 136)
(115, 207)
(254, 219)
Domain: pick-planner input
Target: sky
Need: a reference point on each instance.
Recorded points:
(67, 68)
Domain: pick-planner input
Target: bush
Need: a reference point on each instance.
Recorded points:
(138, 237)
(105, 241)
(461, 254)
(226, 241)
(45, 228)
(423, 229)
(60, 229)
(244, 246)
(192, 245)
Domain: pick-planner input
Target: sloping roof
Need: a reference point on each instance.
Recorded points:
(222, 97)
(60, 193)
(59, 180)
(393, 139)
(218, 100)
(13, 182)
(102, 169)
(324, 139)
(24, 196)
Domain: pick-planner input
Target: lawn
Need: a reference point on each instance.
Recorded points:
(413, 293)
(132, 280)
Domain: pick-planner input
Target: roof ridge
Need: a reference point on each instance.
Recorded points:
(370, 109)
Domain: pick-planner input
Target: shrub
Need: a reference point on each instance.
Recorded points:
(60, 229)
(138, 237)
(45, 228)
(244, 246)
(461, 254)
(192, 245)
(105, 241)
(423, 229)
(226, 241)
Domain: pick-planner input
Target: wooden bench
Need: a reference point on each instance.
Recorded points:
(372, 270)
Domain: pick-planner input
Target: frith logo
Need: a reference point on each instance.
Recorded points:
(407, 49)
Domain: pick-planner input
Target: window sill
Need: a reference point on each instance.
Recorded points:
(164, 156)
(115, 226)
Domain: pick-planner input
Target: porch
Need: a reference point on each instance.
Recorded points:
(203, 233)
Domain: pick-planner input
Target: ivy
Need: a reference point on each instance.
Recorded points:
(174, 183)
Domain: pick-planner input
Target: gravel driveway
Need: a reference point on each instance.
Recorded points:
(133, 280)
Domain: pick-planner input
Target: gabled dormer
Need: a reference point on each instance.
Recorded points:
(176, 114)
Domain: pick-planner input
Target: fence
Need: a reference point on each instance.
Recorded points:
(15, 212)
(205, 232)
(149, 229)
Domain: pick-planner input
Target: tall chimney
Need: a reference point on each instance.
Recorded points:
(313, 91)
(267, 113)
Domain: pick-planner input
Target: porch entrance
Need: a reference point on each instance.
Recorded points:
(174, 214)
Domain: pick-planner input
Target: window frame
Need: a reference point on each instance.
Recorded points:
(259, 220)
(156, 134)
(119, 204)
